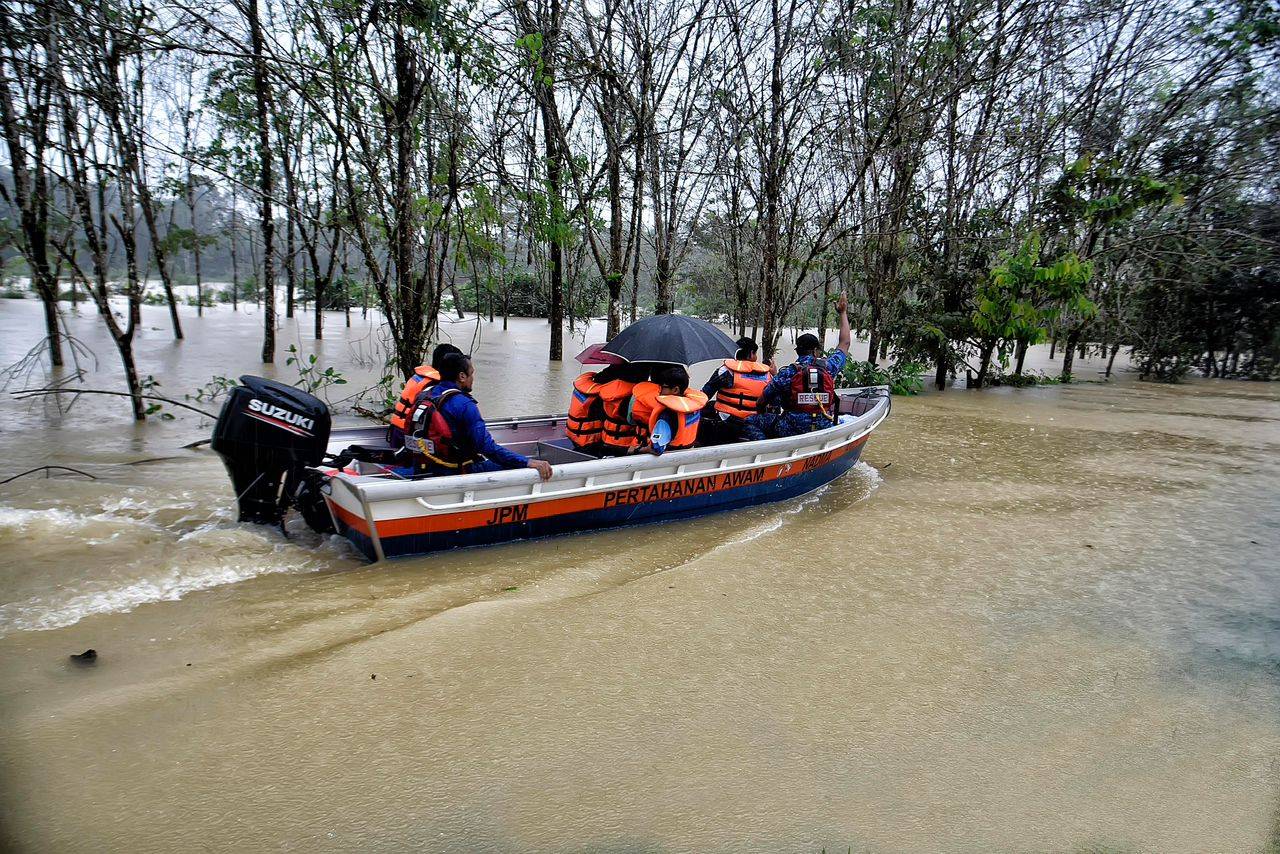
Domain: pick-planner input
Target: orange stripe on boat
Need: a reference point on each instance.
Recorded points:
(615, 495)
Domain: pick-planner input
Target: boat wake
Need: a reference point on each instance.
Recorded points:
(867, 475)
(140, 557)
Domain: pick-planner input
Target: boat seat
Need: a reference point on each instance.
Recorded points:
(557, 454)
(858, 404)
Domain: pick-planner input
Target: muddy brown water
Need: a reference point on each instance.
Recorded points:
(1039, 620)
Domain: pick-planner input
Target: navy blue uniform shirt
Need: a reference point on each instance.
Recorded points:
(469, 430)
(779, 391)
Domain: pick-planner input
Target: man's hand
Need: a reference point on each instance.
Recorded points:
(542, 467)
(773, 366)
(846, 335)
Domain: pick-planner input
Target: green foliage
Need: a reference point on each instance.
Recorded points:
(1100, 192)
(1021, 298)
(1025, 379)
(147, 385)
(14, 268)
(342, 293)
(310, 378)
(532, 44)
(213, 390)
(247, 291)
(901, 377)
(186, 240)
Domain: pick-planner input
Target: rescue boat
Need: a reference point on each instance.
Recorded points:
(387, 516)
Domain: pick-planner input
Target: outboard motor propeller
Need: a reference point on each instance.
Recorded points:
(266, 434)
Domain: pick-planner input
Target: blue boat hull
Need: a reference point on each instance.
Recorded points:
(638, 513)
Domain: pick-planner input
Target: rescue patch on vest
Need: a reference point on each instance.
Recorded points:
(415, 445)
(811, 397)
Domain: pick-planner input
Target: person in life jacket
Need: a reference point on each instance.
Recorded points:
(735, 390)
(447, 434)
(424, 377)
(666, 413)
(805, 390)
(615, 386)
(585, 424)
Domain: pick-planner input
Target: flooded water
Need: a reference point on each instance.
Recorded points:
(1039, 620)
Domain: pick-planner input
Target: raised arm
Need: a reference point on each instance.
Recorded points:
(846, 337)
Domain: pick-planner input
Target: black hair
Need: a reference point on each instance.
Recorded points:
(635, 372)
(746, 348)
(437, 358)
(608, 373)
(454, 364)
(808, 344)
(674, 376)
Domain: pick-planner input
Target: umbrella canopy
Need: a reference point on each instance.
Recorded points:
(672, 338)
(593, 356)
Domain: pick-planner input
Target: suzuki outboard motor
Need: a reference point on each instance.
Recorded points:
(266, 434)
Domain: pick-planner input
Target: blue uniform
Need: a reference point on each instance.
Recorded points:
(720, 380)
(471, 435)
(769, 425)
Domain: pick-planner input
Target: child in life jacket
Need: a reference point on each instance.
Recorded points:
(666, 412)
(615, 386)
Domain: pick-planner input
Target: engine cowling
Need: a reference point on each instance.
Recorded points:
(266, 434)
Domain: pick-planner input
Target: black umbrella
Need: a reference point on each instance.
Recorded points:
(672, 338)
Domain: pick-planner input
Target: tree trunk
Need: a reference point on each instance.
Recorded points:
(614, 277)
(1021, 358)
(984, 365)
(235, 254)
(1069, 352)
(1115, 348)
(411, 290)
(31, 196)
(157, 249)
(873, 332)
(822, 309)
(555, 164)
(290, 227)
(262, 97)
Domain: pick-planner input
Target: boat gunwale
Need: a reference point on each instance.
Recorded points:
(373, 489)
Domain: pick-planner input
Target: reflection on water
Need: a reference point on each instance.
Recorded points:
(1045, 620)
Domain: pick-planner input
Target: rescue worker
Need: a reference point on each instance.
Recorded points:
(735, 389)
(451, 435)
(424, 377)
(805, 390)
(666, 413)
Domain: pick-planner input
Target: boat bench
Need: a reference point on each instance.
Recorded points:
(552, 451)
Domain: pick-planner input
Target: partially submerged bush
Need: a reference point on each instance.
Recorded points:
(901, 377)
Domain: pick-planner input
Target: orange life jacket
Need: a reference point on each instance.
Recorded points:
(740, 399)
(618, 431)
(424, 377)
(585, 425)
(648, 406)
(644, 399)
